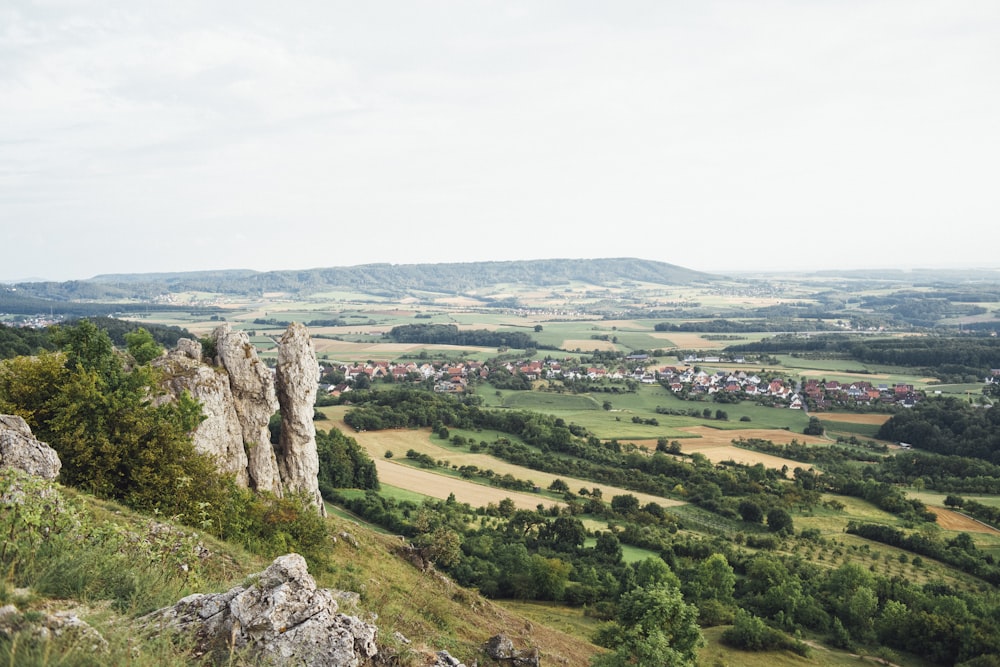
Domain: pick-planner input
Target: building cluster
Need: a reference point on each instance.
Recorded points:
(682, 380)
(447, 377)
(824, 395)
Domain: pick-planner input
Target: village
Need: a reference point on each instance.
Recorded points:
(686, 382)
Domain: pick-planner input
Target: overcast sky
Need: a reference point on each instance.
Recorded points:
(717, 135)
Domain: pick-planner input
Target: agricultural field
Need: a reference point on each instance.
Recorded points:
(396, 472)
(624, 421)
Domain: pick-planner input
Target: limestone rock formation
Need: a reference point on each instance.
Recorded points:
(297, 380)
(21, 450)
(445, 659)
(220, 435)
(501, 649)
(61, 626)
(280, 619)
(238, 396)
(252, 386)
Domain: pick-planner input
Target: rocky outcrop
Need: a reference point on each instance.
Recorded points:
(239, 394)
(281, 618)
(297, 379)
(220, 435)
(63, 627)
(501, 649)
(252, 386)
(20, 449)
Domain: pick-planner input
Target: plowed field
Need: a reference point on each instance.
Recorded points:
(853, 419)
(436, 485)
(950, 520)
(716, 445)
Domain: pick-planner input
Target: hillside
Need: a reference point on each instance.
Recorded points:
(395, 279)
(122, 565)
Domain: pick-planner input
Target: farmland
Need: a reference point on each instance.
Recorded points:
(587, 394)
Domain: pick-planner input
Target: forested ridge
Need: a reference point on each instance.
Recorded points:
(447, 278)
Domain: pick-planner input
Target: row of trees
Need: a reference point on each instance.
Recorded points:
(950, 358)
(449, 334)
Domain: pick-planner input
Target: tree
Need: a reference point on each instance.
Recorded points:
(814, 427)
(443, 546)
(715, 579)
(625, 504)
(559, 486)
(653, 571)
(654, 627)
(142, 346)
(564, 533)
(608, 546)
(780, 521)
(748, 632)
(549, 576)
(750, 511)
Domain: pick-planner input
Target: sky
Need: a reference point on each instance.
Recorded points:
(719, 135)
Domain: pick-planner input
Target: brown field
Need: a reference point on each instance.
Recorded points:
(716, 445)
(350, 350)
(820, 373)
(950, 520)
(690, 341)
(441, 486)
(459, 301)
(399, 441)
(588, 344)
(853, 419)
(717, 436)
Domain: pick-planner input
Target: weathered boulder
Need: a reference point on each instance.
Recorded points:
(252, 386)
(220, 434)
(501, 649)
(64, 627)
(20, 449)
(445, 659)
(297, 379)
(280, 619)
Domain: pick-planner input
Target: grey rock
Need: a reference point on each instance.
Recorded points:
(220, 434)
(63, 626)
(189, 348)
(20, 449)
(297, 380)
(445, 659)
(252, 385)
(501, 648)
(279, 619)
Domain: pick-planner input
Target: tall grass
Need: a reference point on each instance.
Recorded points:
(57, 547)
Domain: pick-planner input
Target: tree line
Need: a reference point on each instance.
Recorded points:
(449, 334)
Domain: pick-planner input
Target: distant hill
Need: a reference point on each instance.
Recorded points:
(389, 279)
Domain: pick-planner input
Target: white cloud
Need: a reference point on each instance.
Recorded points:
(402, 131)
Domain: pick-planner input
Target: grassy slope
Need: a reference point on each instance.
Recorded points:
(426, 608)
